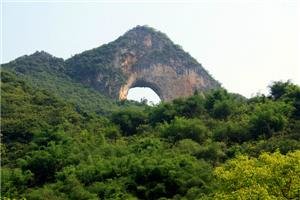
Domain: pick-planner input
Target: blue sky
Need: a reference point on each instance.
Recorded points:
(245, 45)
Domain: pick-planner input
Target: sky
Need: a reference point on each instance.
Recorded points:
(244, 44)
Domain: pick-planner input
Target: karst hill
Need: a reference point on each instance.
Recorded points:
(66, 136)
(142, 57)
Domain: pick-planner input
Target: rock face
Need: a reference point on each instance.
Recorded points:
(142, 57)
(167, 81)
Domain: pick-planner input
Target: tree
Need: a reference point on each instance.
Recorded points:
(181, 128)
(190, 107)
(164, 112)
(129, 120)
(278, 89)
(221, 104)
(288, 92)
(270, 176)
(214, 96)
(268, 118)
(222, 109)
(231, 132)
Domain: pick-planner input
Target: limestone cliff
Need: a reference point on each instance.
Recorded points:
(142, 57)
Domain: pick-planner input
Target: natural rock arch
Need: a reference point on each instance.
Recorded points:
(167, 81)
(140, 83)
(142, 57)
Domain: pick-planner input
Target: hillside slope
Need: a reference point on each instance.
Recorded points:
(47, 72)
(218, 147)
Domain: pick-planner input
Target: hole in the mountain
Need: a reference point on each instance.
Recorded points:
(143, 94)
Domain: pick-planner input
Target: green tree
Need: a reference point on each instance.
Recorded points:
(129, 120)
(271, 176)
(222, 109)
(181, 128)
(278, 89)
(164, 112)
(231, 132)
(268, 118)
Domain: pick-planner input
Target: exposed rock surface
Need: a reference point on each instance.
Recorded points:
(142, 57)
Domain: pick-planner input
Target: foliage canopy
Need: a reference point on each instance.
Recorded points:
(216, 146)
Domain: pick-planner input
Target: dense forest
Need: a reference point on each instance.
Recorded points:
(47, 72)
(215, 145)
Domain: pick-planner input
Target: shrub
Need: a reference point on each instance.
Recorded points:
(181, 128)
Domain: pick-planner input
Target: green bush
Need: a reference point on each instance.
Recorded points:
(231, 132)
(181, 128)
(268, 118)
(129, 120)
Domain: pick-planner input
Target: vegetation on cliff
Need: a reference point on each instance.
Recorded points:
(217, 146)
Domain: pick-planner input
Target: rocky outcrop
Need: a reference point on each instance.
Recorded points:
(168, 82)
(142, 57)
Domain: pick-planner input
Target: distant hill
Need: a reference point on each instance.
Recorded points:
(96, 79)
(46, 72)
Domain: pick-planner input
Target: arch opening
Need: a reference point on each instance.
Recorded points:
(143, 94)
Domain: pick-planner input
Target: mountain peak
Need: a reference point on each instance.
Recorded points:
(143, 34)
(142, 57)
(38, 61)
(43, 54)
(143, 29)
(38, 56)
